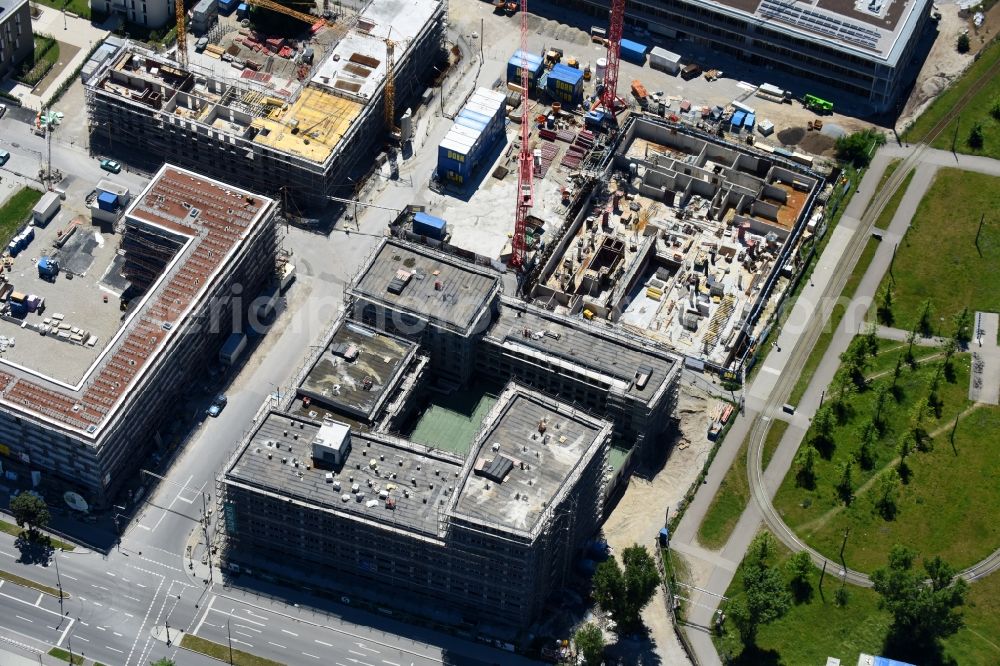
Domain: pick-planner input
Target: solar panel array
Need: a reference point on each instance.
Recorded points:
(824, 24)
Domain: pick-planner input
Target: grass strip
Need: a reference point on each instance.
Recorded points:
(885, 218)
(59, 653)
(25, 582)
(890, 168)
(14, 530)
(16, 211)
(222, 652)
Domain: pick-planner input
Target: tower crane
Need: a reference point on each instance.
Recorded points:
(390, 89)
(182, 52)
(525, 163)
(609, 95)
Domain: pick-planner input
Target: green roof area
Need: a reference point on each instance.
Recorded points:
(616, 458)
(450, 422)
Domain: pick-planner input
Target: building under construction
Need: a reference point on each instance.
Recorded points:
(480, 539)
(188, 240)
(303, 135)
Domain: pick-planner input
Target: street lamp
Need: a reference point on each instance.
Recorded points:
(55, 559)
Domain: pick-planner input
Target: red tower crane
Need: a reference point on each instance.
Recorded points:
(609, 96)
(525, 166)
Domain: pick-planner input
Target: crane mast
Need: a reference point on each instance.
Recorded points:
(182, 52)
(525, 167)
(609, 95)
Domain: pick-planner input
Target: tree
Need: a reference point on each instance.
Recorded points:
(897, 372)
(923, 612)
(924, 319)
(806, 474)
(884, 310)
(976, 136)
(624, 592)
(162, 661)
(995, 108)
(963, 326)
(911, 337)
(845, 487)
(949, 348)
(799, 569)
(822, 427)
(905, 448)
(888, 485)
(590, 643)
(855, 361)
(869, 440)
(841, 596)
(30, 510)
(918, 433)
(857, 148)
(765, 595)
(881, 399)
(963, 44)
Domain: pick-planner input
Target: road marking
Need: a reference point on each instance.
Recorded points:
(28, 603)
(23, 618)
(237, 617)
(163, 512)
(144, 620)
(128, 614)
(6, 553)
(101, 628)
(310, 655)
(100, 587)
(250, 612)
(236, 640)
(365, 647)
(207, 609)
(323, 643)
(70, 577)
(98, 603)
(391, 663)
(360, 654)
(81, 638)
(277, 645)
(132, 598)
(290, 633)
(40, 595)
(115, 649)
(111, 574)
(143, 527)
(116, 634)
(243, 626)
(243, 633)
(140, 585)
(62, 636)
(84, 624)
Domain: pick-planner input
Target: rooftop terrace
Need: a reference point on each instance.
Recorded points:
(210, 219)
(426, 283)
(416, 481)
(526, 458)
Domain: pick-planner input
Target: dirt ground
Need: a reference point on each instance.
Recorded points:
(640, 514)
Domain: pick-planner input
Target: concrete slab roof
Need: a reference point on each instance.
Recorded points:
(437, 287)
(602, 354)
(357, 370)
(526, 459)
(417, 480)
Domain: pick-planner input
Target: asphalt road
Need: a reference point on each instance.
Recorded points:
(120, 605)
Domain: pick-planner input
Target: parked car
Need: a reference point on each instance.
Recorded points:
(217, 405)
(4, 156)
(200, 45)
(112, 166)
(3, 110)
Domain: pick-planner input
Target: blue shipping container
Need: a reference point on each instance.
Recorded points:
(565, 84)
(633, 51)
(535, 67)
(472, 123)
(737, 120)
(13, 248)
(428, 225)
(30, 233)
(107, 201)
(750, 120)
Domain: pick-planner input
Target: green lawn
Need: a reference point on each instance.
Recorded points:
(977, 110)
(938, 258)
(885, 218)
(936, 509)
(813, 630)
(817, 629)
(14, 530)
(64, 655)
(221, 652)
(45, 56)
(79, 7)
(16, 212)
(823, 341)
(734, 493)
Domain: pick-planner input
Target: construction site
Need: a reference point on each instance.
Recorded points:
(296, 118)
(119, 322)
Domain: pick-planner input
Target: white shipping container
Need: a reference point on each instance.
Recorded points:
(662, 59)
(477, 101)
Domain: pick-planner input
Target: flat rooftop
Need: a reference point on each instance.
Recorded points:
(599, 353)
(224, 216)
(429, 284)
(357, 370)
(311, 126)
(872, 27)
(416, 479)
(525, 460)
(357, 65)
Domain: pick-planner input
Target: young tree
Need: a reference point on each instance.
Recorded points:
(905, 448)
(995, 108)
(799, 569)
(888, 485)
(897, 372)
(918, 433)
(869, 440)
(911, 337)
(822, 425)
(624, 592)
(806, 474)
(590, 643)
(30, 510)
(841, 596)
(923, 611)
(963, 327)
(881, 400)
(976, 136)
(766, 597)
(855, 361)
(925, 324)
(949, 348)
(963, 44)
(845, 487)
(842, 386)
(934, 401)
(884, 309)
